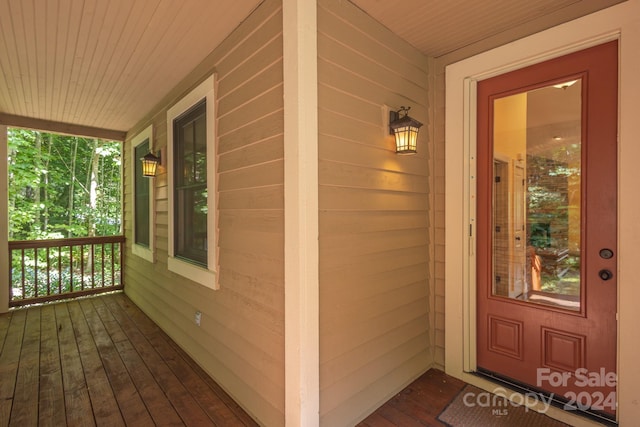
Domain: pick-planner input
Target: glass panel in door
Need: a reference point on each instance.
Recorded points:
(536, 200)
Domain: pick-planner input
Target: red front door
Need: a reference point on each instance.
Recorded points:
(546, 265)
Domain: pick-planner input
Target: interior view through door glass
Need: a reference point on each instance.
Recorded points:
(537, 195)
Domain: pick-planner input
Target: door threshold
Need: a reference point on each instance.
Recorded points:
(556, 401)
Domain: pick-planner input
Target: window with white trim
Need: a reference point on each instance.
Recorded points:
(191, 180)
(143, 200)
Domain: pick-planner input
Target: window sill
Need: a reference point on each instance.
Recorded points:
(192, 272)
(142, 252)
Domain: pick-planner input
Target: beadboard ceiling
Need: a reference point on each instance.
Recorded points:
(106, 63)
(439, 27)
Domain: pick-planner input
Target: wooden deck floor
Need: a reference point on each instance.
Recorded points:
(101, 361)
(419, 404)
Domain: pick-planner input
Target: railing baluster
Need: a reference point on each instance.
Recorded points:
(48, 273)
(113, 265)
(70, 268)
(59, 270)
(93, 265)
(121, 249)
(35, 272)
(102, 264)
(24, 291)
(82, 267)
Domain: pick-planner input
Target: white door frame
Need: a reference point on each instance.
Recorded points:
(620, 22)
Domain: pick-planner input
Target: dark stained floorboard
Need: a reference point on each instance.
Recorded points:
(103, 401)
(9, 360)
(51, 407)
(28, 375)
(76, 396)
(128, 400)
(419, 404)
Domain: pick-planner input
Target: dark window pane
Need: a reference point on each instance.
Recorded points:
(186, 155)
(191, 242)
(142, 226)
(190, 187)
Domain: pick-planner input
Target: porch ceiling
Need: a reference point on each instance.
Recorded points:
(438, 27)
(106, 64)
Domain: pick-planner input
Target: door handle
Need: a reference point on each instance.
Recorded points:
(605, 274)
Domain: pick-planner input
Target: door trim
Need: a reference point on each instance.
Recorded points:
(618, 22)
(466, 179)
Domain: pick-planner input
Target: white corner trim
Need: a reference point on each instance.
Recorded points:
(302, 348)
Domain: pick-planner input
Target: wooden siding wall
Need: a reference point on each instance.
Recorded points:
(241, 340)
(374, 252)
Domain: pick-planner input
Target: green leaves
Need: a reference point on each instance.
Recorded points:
(51, 178)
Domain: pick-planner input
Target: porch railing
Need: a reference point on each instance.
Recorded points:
(46, 270)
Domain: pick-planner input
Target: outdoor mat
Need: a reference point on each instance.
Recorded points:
(474, 407)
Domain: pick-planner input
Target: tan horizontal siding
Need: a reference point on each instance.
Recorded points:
(260, 175)
(263, 105)
(370, 178)
(369, 38)
(240, 342)
(353, 222)
(257, 131)
(406, 335)
(346, 198)
(374, 253)
(252, 154)
(369, 69)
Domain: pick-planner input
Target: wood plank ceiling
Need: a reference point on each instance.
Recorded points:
(438, 27)
(106, 64)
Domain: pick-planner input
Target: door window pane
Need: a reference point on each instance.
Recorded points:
(537, 195)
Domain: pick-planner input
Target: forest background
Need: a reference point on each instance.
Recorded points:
(63, 186)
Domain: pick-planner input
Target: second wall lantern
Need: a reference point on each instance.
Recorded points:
(150, 165)
(405, 130)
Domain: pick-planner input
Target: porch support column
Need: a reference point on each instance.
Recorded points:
(4, 222)
(302, 384)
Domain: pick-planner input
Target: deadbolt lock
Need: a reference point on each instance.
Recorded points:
(606, 253)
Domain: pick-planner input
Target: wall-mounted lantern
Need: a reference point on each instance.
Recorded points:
(150, 165)
(405, 130)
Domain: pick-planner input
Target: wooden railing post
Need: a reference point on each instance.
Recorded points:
(5, 286)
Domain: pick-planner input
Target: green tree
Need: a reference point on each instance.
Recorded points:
(63, 186)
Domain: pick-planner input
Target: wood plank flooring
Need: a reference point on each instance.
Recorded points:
(101, 361)
(419, 404)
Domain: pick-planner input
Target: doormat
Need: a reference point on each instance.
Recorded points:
(474, 407)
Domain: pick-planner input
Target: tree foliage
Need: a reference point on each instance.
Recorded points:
(63, 186)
